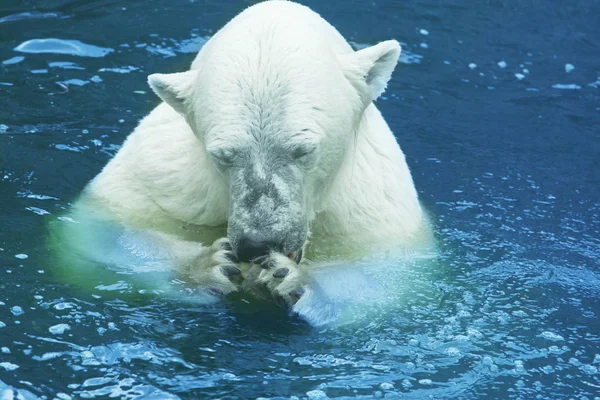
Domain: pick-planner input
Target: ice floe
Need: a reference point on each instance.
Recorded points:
(62, 46)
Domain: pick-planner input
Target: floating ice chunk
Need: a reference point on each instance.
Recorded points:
(3, 128)
(519, 76)
(62, 46)
(68, 219)
(566, 86)
(5, 350)
(160, 51)
(502, 64)
(424, 32)
(63, 396)
(569, 67)
(316, 394)
(425, 381)
(59, 329)
(555, 337)
(21, 256)
(424, 45)
(38, 211)
(64, 65)
(2, 324)
(8, 367)
(192, 45)
(64, 305)
(16, 311)
(40, 197)
(14, 60)
(472, 65)
(386, 386)
(39, 71)
(596, 84)
(96, 79)
(29, 15)
(116, 286)
(66, 147)
(74, 82)
(122, 70)
(47, 356)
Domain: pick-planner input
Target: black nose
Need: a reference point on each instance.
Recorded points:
(251, 247)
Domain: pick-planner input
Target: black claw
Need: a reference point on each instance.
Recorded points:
(298, 256)
(281, 273)
(227, 246)
(296, 294)
(231, 257)
(230, 270)
(259, 260)
(267, 264)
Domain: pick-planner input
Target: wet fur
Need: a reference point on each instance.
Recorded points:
(225, 150)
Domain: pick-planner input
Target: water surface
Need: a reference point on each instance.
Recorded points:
(497, 107)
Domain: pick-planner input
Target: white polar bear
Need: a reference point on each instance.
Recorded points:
(268, 148)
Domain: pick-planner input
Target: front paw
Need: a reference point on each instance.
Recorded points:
(283, 278)
(217, 270)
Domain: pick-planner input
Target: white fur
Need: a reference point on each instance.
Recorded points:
(360, 195)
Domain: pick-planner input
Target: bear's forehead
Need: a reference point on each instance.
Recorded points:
(272, 111)
(269, 134)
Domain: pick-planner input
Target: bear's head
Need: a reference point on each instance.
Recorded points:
(277, 124)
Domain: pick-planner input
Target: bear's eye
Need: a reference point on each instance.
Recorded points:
(222, 157)
(304, 153)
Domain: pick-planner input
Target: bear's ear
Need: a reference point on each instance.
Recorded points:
(173, 89)
(375, 65)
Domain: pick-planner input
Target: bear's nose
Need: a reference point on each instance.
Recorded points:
(252, 247)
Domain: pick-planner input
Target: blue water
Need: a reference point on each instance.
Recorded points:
(497, 107)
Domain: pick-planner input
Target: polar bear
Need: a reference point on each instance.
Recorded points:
(265, 159)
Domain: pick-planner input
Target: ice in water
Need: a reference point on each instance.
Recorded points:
(59, 329)
(62, 46)
(566, 86)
